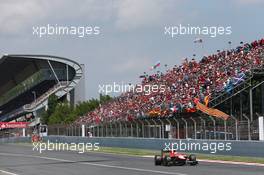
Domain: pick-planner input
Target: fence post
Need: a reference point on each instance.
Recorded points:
(143, 128)
(178, 128)
(24, 132)
(249, 135)
(236, 123)
(106, 130)
(155, 130)
(170, 126)
(148, 135)
(194, 123)
(251, 104)
(120, 129)
(111, 129)
(162, 129)
(126, 129)
(203, 122)
(131, 129)
(98, 130)
(214, 123)
(102, 130)
(58, 130)
(137, 129)
(186, 128)
(260, 125)
(94, 131)
(225, 129)
(83, 130)
(115, 129)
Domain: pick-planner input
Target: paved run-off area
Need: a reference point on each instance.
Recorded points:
(21, 160)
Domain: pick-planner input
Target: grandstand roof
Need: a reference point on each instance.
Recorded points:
(17, 70)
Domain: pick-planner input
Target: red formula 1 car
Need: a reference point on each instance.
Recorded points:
(169, 157)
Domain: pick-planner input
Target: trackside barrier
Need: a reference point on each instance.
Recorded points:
(238, 148)
(15, 140)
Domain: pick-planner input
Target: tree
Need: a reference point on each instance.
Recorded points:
(52, 103)
(104, 98)
(63, 113)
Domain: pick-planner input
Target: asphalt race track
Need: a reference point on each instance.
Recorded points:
(21, 160)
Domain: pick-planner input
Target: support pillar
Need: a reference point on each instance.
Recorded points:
(83, 130)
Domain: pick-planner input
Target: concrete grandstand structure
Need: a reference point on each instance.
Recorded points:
(220, 96)
(28, 80)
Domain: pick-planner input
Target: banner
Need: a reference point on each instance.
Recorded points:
(5, 125)
(211, 111)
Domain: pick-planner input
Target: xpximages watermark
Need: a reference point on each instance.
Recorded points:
(122, 88)
(56, 146)
(56, 30)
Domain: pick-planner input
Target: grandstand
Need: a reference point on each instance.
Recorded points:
(219, 97)
(28, 80)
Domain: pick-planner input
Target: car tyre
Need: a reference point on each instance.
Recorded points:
(157, 160)
(165, 161)
(192, 158)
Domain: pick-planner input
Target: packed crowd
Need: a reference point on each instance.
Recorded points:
(204, 79)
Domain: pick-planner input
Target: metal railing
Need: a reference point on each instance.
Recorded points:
(222, 97)
(178, 128)
(42, 98)
(248, 83)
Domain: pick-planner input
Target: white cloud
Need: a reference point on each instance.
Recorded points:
(132, 65)
(132, 14)
(124, 14)
(18, 15)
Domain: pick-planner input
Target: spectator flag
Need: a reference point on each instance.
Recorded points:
(156, 65)
(198, 40)
(174, 109)
(196, 100)
(206, 100)
(239, 78)
(229, 87)
(190, 110)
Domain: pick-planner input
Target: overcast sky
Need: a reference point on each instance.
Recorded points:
(131, 35)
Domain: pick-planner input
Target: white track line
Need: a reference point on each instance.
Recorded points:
(232, 162)
(6, 172)
(93, 164)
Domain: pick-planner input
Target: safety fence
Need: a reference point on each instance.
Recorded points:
(191, 128)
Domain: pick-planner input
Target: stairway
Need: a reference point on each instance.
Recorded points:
(247, 83)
